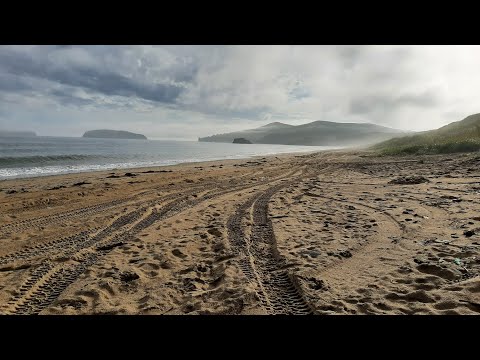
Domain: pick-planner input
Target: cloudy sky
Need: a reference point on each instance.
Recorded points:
(183, 92)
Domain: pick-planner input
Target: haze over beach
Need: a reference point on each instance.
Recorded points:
(240, 180)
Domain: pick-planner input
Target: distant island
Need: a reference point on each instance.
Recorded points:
(241, 141)
(113, 134)
(322, 133)
(4, 133)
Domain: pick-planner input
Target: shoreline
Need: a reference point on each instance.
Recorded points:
(287, 154)
(76, 157)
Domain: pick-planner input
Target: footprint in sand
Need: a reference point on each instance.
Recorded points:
(178, 253)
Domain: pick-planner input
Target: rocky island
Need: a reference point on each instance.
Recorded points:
(241, 141)
(4, 133)
(113, 134)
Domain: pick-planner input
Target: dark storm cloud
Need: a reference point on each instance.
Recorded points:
(115, 84)
(11, 83)
(370, 104)
(67, 97)
(96, 79)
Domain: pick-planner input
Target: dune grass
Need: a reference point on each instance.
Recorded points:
(461, 136)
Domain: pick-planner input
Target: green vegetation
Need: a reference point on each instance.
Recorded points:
(460, 136)
(315, 133)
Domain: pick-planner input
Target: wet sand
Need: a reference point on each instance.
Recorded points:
(323, 233)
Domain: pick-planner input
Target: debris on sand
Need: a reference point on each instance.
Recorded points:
(409, 180)
(57, 187)
(81, 183)
(128, 276)
(110, 246)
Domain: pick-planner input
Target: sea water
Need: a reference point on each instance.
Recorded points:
(37, 156)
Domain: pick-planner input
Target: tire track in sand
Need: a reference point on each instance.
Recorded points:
(49, 280)
(259, 259)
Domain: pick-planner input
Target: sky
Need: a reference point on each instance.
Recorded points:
(186, 92)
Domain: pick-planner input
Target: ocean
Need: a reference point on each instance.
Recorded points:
(39, 156)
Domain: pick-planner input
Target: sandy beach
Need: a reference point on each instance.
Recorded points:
(324, 233)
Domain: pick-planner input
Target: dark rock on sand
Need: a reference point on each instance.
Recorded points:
(469, 233)
(345, 253)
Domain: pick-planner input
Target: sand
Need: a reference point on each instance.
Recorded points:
(325, 233)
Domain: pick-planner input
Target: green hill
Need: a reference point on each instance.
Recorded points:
(459, 136)
(315, 133)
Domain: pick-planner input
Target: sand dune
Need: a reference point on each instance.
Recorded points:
(325, 233)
